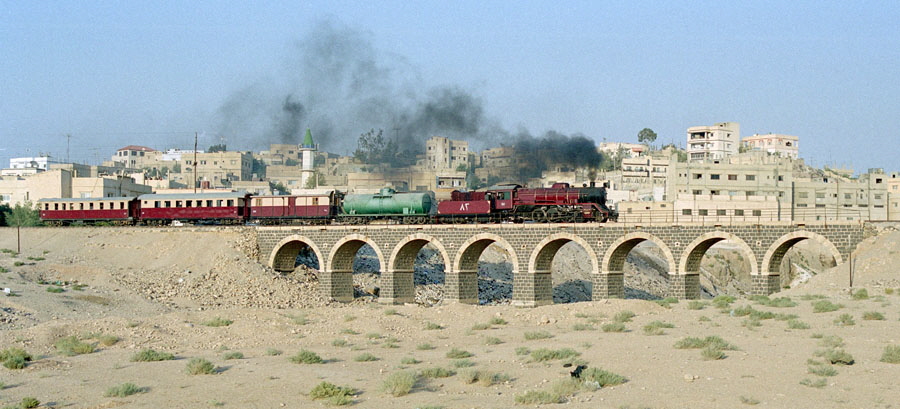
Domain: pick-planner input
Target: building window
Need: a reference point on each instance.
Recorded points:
(714, 192)
(687, 212)
(698, 176)
(714, 177)
(738, 212)
(780, 178)
(801, 205)
(820, 206)
(750, 177)
(757, 213)
(732, 177)
(820, 195)
(698, 192)
(877, 197)
(720, 212)
(703, 212)
(802, 195)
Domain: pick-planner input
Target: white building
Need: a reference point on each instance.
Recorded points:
(38, 162)
(713, 142)
(783, 145)
(444, 153)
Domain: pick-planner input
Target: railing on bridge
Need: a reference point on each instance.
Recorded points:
(739, 216)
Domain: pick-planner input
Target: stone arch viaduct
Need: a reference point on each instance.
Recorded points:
(531, 248)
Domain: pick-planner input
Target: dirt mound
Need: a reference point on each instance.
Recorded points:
(193, 268)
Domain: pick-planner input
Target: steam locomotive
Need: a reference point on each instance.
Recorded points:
(504, 203)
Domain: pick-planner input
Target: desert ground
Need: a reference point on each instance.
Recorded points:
(114, 292)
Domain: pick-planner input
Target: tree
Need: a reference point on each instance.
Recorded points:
(22, 215)
(278, 188)
(220, 147)
(373, 148)
(646, 135)
(290, 162)
(313, 182)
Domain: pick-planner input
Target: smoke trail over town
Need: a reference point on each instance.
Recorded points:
(340, 86)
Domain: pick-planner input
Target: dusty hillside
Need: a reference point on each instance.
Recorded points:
(156, 288)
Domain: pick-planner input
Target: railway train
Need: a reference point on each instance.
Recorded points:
(502, 203)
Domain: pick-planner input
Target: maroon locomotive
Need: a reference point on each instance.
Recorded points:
(556, 204)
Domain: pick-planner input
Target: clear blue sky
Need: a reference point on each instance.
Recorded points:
(152, 73)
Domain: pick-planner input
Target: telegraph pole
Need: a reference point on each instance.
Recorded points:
(68, 137)
(195, 162)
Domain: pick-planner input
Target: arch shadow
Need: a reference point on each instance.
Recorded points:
(771, 262)
(284, 255)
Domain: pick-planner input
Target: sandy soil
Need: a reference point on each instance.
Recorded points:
(154, 288)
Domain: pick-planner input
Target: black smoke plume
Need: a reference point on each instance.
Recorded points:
(535, 155)
(292, 121)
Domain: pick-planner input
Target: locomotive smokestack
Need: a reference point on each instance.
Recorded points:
(593, 184)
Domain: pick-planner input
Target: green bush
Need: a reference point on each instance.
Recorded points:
(821, 370)
(365, 357)
(424, 347)
(481, 327)
(410, 361)
(200, 366)
(486, 378)
(861, 294)
(825, 306)
(891, 354)
(657, 328)
(432, 326)
(545, 354)
(336, 395)
(667, 302)
(583, 327)
(55, 290)
(831, 341)
(458, 354)
(814, 384)
(873, 316)
(436, 372)
(538, 398)
(273, 352)
(838, 357)
(522, 351)
(498, 321)
(400, 383)
(845, 320)
(602, 377)
(123, 390)
(463, 363)
(29, 402)
(339, 342)
(107, 340)
(696, 305)
(797, 324)
(613, 327)
(71, 346)
(306, 357)
(623, 316)
(697, 343)
(493, 341)
(711, 353)
(233, 355)
(218, 322)
(723, 301)
(149, 355)
(15, 358)
(535, 335)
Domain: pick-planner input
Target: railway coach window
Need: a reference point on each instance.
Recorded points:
(81, 206)
(230, 203)
(187, 203)
(219, 203)
(178, 203)
(101, 205)
(168, 203)
(91, 206)
(209, 203)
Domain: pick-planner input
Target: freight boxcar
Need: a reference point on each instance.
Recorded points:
(225, 207)
(113, 210)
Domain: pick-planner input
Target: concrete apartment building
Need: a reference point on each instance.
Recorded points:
(445, 153)
(778, 144)
(62, 183)
(801, 195)
(893, 196)
(688, 208)
(713, 142)
(135, 156)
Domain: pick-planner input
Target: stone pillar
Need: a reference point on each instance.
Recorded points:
(461, 286)
(684, 286)
(397, 287)
(765, 284)
(532, 290)
(336, 285)
(608, 285)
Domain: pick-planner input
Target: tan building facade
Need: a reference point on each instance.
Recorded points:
(444, 153)
(713, 142)
(61, 183)
(778, 144)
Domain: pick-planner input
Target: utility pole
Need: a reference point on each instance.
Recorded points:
(195, 162)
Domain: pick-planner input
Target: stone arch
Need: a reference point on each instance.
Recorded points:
(467, 256)
(344, 250)
(771, 262)
(284, 254)
(403, 256)
(693, 253)
(542, 256)
(614, 259)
